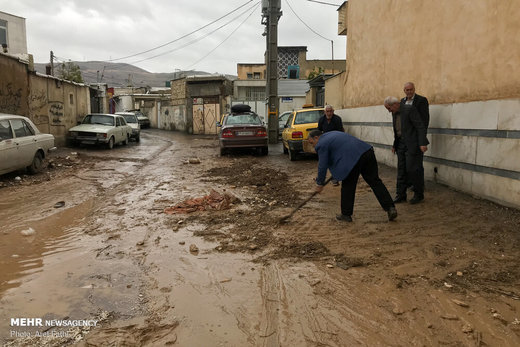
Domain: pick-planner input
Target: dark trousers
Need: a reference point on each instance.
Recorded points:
(410, 170)
(415, 171)
(367, 167)
(402, 178)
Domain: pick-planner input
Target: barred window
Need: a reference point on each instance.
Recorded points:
(255, 93)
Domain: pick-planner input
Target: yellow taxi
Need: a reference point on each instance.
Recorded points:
(296, 130)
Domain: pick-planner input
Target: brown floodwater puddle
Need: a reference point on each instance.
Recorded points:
(24, 246)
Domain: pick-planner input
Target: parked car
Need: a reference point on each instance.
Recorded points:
(296, 131)
(22, 145)
(99, 128)
(143, 120)
(282, 120)
(133, 121)
(242, 129)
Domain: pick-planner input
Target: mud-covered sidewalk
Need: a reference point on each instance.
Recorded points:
(161, 250)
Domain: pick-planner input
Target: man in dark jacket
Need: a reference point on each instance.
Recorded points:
(330, 121)
(347, 157)
(410, 147)
(421, 104)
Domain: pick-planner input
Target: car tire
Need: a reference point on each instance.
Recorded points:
(264, 150)
(285, 150)
(37, 163)
(138, 138)
(222, 151)
(125, 142)
(110, 143)
(292, 155)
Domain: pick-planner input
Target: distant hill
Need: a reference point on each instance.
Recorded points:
(123, 75)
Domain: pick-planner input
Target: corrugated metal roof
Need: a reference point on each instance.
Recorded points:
(292, 87)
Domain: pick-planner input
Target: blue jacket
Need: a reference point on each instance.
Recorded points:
(339, 152)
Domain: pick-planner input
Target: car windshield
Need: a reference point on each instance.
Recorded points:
(99, 119)
(308, 117)
(130, 118)
(247, 118)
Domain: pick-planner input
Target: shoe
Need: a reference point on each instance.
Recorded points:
(416, 199)
(344, 217)
(399, 198)
(392, 213)
(335, 183)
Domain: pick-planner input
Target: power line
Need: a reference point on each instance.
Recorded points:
(200, 38)
(324, 3)
(301, 20)
(198, 61)
(180, 38)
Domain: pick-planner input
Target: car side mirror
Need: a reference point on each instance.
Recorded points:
(218, 124)
(78, 123)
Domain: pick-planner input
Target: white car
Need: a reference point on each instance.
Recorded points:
(100, 128)
(133, 121)
(22, 145)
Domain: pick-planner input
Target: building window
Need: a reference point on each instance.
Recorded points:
(255, 93)
(249, 75)
(71, 99)
(256, 75)
(3, 32)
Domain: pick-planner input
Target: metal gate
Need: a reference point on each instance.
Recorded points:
(206, 113)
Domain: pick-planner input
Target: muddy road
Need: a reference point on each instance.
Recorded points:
(166, 243)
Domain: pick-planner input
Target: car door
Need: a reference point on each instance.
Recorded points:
(7, 147)
(287, 130)
(26, 142)
(119, 130)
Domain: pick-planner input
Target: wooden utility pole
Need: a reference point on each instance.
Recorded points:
(270, 15)
(52, 63)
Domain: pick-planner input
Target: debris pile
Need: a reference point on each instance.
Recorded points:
(213, 201)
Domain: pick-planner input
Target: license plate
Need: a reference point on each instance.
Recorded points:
(88, 142)
(244, 133)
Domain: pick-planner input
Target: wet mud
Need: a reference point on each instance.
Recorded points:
(119, 237)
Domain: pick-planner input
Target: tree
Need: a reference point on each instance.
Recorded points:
(70, 72)
(315, 73)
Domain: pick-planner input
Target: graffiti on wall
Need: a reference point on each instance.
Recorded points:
(37, 100)
(10, 98)
(56, 111)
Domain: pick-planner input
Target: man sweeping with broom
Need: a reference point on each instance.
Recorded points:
(347, 157)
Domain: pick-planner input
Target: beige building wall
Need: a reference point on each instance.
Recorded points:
(454, 50)
(334, 91)
(244, 69)
(463, 56)
(326, 66)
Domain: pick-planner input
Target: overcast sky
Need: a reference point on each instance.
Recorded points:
(81, 30)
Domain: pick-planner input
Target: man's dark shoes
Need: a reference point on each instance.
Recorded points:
(399, 198)
(344, 218)
(416, 199)
(392, 213)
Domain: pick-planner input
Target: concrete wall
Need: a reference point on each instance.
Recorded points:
(16, 34)
(52, 104)
(454, 50)
(477, 155)
(56, 105)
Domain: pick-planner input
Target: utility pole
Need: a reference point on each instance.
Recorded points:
(52, 63)
(270, 15)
